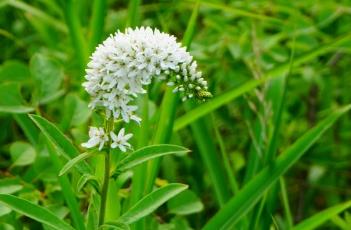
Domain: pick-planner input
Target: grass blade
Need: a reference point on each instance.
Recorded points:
(242, 203)
(35, 212)
(38, 13)
(151, 202)
(75, 31)
(133, 13)
(97, 23)
(319, 218)
(279, 71)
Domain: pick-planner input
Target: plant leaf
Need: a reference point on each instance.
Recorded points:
(10, 185)
(147, 153)
(319, 218)
(151, 202)
(14, 71)
(243, 202)
(35, 212)
(185, 203)
(22, 153)
(72, 163)
(59, 140)
(85, 178)
(48, 75)
(11, 100)
(115, 225)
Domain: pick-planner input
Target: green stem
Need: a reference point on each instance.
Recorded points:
(104, 189)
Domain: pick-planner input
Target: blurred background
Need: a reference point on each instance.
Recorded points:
(44, 48)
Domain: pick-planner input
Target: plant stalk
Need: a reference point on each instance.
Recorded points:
(104, 189)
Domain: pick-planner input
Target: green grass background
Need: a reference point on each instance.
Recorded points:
(276, 69)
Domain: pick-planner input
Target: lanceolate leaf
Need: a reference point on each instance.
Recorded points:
(319, 218)
(243, 202)
(35, 212)
(72, 163)
(115, 225)
(148, 153)
(151, 202)
(59, 140)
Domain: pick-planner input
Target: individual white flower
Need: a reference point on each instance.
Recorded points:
(97, 137)
(125, 62)
(120, 140)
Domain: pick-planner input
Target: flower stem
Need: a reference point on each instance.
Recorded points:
(104, 189)
(108, 127)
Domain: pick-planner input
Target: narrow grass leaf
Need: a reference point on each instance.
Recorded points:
(243, 202)
(151, 202)
(35, 212)
(97, 23)
(72, 163)
(115, 225)
(147, 153)
(279, 71)
(319, 218)
(38, 13)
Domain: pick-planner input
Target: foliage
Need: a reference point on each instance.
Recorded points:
(270, 150)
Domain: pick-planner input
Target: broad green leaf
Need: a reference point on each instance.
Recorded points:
(22, 154)
(185, 203)
(248, 196)
(14, 71)
(9, 185)
(281, 70)
(319, 218)
(151, 202)
(11, 100)
(48, 75)
(147, 153)
(59, 140)
(35, 212)
(72, 163)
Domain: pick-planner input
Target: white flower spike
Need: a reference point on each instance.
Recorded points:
(120, 140)
(97, 137)
(124, 63)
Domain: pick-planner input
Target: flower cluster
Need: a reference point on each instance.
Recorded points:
(126, 62)
(98, 137)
